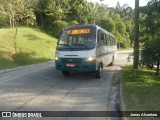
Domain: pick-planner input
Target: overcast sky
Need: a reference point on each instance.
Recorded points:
(112, 3)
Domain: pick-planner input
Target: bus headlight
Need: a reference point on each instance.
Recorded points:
(57, 58)
(89, 59)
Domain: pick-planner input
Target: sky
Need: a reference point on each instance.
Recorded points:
(112, 3)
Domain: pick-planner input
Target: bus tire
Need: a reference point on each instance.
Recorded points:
(65, 73)
(98, 73)
(111, 64)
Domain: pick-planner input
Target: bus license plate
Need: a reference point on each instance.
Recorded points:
(70, 65)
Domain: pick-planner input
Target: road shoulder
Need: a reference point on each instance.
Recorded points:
(26, 67)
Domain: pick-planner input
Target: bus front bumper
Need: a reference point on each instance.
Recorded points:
(76, 67)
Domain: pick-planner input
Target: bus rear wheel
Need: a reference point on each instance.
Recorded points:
(65, 73)
(98, 73)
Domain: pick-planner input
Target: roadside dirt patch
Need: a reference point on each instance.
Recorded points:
(114, 97)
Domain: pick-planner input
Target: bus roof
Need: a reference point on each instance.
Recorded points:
(81, 26)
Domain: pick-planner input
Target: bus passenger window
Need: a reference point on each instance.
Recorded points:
(111, 41)
(102, 39)
(105, 39)
(108, 41)
(102, 36)
(99, 38)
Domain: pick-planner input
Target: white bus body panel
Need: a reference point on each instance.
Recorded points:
(75, 54)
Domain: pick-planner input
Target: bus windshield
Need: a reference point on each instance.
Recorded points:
(77, 39)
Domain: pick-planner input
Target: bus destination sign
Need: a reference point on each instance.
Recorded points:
(78, 31)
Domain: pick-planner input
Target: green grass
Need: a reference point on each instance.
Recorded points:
(140, 89)
(33, 46)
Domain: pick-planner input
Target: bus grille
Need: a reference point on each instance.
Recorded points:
(71, 60)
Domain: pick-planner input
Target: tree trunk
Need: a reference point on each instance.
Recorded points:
(41, 20)
(15, 42)
(27, 22)
(13, 22)
(10, 21)
(136, 36)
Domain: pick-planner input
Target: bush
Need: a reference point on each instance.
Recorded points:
(58, 27)
(126, 44)
(151, 54)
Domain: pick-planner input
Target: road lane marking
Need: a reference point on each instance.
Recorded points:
(25, 67)
(23, 75)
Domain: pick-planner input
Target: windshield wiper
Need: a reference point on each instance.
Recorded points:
(65, 45)
(83, 45)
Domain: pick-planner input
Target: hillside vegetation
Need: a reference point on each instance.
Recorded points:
(33, 46)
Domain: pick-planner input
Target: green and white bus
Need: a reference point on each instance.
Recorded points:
(85, 48)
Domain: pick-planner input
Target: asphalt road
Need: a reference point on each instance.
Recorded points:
(43, 88)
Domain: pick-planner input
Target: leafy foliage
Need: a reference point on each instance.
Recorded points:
(59, 26)
(107, 24)
(55, 15)
(17, 10)
(151, 31)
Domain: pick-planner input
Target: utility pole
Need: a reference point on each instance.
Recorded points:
(136, 36)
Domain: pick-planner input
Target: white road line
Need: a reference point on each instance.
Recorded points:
(23, 75)
(25, 67)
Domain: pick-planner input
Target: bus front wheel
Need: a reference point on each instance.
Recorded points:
(65, 73)
(98, 73)
(111, 64)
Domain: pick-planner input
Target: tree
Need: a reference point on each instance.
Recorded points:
(136, 36)
(17, 11)
(7, 8)
(151, 54)
(123, 19)
(107, 24)
(41, 17)
(72, 12)
(57, 9)
(151, 32)
(120, 32)
(28, 15)
(78, 11)
(92, 10)
(124, 11)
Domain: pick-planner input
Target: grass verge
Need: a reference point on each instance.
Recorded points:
(140, 90)
(33, 46)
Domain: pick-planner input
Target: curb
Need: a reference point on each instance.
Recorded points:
(114, 96)
(25, 67)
